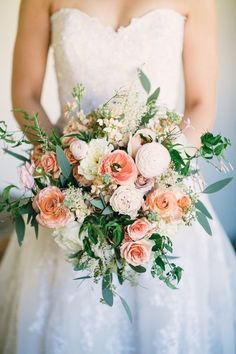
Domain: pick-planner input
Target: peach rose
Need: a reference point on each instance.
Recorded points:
(70, 156)
(120, 166)
(164, 203)
(136, 253)
(52, 212)
(184, 202)
(138, 229)
(50, 165)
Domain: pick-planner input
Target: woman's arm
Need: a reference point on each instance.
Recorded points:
(30, 58)
(200, 68)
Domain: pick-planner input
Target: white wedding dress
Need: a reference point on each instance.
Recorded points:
(42, 309)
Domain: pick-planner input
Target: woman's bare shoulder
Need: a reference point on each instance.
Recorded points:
(35, 6)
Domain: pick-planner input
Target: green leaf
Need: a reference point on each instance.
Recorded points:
(138, 269)
(216, 187)
(169, 284)
(6, 193)
(97, 203)
(63, 162)
(17, 156)
(83, 278)
(127, 309)
(154, 96)
(203, 221)
(88, 249)
(200, 206)
(106, 289)
(20, 229)
(160, 263)
(108, 210)
(144, 81)
(178, 273)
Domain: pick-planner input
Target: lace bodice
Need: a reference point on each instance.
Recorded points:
(103, 60)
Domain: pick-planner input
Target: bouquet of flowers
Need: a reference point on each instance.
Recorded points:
(114, 186)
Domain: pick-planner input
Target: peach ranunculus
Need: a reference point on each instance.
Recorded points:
(165, 203)
(184, 202)
(120, 166)
(50, 165)
(70, 156)
(52, 212)
(136, 253)
(139, 229)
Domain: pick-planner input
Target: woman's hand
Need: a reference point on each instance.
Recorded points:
(200, 68)
(30, 58)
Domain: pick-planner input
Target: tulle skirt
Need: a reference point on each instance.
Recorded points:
(43, 310)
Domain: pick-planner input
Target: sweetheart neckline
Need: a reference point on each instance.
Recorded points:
(120, 28)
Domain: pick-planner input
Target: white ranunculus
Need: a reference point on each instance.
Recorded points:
(79, 149)
(135, 142)
(68, 238)
(97, 149)
(152, 160)
(126, 200)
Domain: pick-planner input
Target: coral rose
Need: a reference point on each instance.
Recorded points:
(138, 229)
(165, 204)
(152, 160)
(120, 166)
(136, 253)
(52, 212)
(50, 165)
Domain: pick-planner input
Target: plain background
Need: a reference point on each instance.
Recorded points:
(225, 201)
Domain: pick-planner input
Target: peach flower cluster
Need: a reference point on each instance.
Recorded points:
(169, 204)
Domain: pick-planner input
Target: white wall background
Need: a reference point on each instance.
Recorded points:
(224, 202)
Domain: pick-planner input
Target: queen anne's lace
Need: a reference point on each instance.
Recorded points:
(42, 309)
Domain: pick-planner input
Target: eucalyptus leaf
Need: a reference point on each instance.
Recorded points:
(127, 309)
(97, 203)
(203, 221)
(63, 162)
(17, 156)
(200, 206)
(144, 81)
(106, 289)
(216, 187)
(20, 229)
(154, 96)
(108, 210)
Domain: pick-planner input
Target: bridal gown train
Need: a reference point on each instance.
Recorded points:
(42, 309)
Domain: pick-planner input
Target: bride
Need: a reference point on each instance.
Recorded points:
(101, 44)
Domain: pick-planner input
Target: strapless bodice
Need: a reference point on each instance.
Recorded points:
(103, 60)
